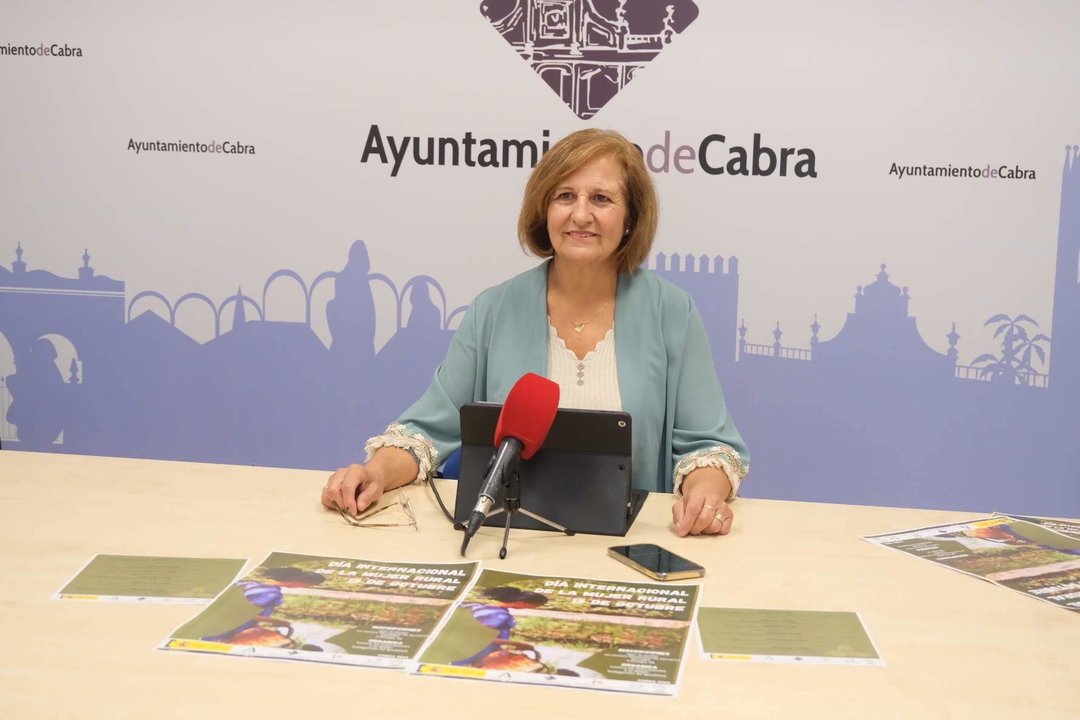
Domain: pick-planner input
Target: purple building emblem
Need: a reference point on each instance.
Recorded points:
(588, 50)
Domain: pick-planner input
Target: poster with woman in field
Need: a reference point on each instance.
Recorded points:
(566, 631)
(326, 609)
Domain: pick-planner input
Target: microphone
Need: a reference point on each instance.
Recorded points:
(523, 426)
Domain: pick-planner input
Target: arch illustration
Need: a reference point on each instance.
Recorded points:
(66, 354)
(7, 356)
(393, 288)
(303, 287)
(7, 367)
(457, 311)
(198, 296)
(322, 328)
(156, 295)
(559, 77)
(599, 86)
(328, 275)
(432, 282)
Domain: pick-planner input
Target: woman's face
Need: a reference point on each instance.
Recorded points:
(587, 214)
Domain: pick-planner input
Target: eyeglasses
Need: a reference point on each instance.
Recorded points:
(403, 505)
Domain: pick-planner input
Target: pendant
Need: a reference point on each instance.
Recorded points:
(579, 328)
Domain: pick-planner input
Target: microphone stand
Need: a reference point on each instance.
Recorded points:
(512, 504)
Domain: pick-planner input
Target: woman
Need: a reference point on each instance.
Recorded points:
(614, 337)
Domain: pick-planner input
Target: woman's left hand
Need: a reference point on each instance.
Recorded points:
(702, 508)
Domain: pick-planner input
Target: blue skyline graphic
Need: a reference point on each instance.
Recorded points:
(870, 415)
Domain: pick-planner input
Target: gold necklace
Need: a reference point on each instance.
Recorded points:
(578, 326)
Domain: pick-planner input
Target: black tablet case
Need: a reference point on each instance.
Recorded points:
(579, 479)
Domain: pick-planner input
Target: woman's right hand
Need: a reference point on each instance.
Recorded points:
(354, 489)
(358, 487)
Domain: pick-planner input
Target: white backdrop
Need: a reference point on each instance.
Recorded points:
(862, 84)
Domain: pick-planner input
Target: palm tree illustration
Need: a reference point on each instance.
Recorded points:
(1018, 349)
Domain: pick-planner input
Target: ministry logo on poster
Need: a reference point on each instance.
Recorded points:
(588, 50)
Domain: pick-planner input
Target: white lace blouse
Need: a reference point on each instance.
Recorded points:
(589, 383)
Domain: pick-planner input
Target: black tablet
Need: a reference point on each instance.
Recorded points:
(579, 479)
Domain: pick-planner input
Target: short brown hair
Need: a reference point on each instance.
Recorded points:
(564, 159)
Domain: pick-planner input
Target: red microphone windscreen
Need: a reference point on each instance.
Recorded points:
(528, 412)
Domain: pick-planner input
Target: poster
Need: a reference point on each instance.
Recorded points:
(785, 636)
(327, 609)
(1070, 528)
(144, 578)
(1016, 554)
(565, 631)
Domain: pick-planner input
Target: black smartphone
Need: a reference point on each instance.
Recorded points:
(656, 562)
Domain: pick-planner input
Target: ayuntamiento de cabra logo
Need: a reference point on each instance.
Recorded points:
(587, 51)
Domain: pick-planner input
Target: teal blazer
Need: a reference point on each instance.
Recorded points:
(667, 379)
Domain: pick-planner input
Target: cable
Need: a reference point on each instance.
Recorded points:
(438, 498)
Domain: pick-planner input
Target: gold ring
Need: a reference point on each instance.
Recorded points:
(719, 516)
(708, 507)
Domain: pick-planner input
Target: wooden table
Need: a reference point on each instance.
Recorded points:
(954, 646)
